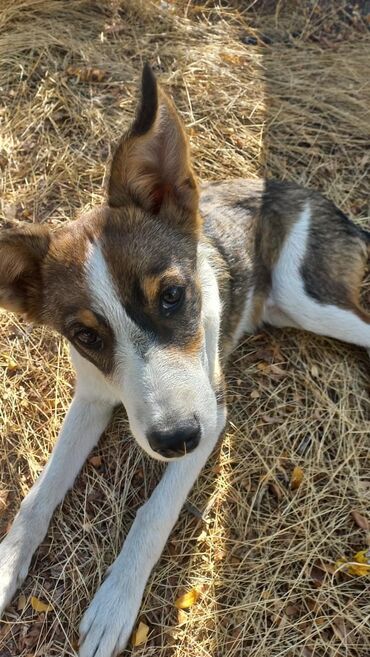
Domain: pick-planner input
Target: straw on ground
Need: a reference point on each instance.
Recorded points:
(263, 87)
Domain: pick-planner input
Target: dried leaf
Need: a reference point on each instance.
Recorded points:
(317, 575)
(229, 58)
(21, 602)
(40, 606)
(115, 28)
(307, 652)
(292, 610)
(358, 566)
(86, 74)
(326, 566)
(8, 362)
(366, 157)
(263, 367)
(140, 635)
(362, 565)
(276, 490)
(277, 370)
(187, 600)
(219, 554)
(182, 616)
(296, 478)
(360, 520)
(312, 605)
(96, 461)
(314, 371)
(270, 419)
(340, 629)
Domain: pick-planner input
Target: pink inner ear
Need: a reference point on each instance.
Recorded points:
(157, 196)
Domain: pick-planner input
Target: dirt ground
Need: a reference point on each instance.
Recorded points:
(265, 88)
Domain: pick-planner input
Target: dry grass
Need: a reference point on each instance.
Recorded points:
(296, 107)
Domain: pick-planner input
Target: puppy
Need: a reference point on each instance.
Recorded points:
(153, 290)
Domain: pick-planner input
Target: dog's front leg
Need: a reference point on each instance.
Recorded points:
(109, 620)
(82, 427)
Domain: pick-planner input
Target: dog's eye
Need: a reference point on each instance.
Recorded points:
(89, 338)
(171, 298)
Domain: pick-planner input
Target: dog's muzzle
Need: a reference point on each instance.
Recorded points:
(177, 441)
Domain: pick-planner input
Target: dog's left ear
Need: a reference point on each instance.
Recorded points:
(151, 165)
(22, 253)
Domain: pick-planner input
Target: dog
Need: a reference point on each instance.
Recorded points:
(153, 290)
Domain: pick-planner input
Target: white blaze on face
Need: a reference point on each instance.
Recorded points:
(157, 386)
(106, 301)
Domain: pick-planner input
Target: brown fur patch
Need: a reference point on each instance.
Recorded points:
(192, 347)
(337, 255)
(153, 284)
(22, 252)
(362, 314)
(87, 318)
(281, 204)
(258, 306)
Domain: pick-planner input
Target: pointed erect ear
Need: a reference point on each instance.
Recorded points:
(151, 165)
(22, 251)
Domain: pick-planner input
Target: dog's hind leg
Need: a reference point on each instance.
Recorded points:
(306, 293)
(348, 325)
(301, 311)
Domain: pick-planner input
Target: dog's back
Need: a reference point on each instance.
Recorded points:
(249, 222)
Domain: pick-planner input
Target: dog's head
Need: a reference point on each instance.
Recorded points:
(127, 284)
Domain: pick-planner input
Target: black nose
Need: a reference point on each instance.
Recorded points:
(176, 441)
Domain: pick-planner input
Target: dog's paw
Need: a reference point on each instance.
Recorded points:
(14, 565)
(108, 622)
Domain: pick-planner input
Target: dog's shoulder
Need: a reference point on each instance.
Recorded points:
(236, 200)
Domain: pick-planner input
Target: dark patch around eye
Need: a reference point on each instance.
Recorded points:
(171, 299)
(176, 328)
(101, 353)
(88, 338)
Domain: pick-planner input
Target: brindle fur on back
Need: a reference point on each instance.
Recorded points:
(248, 222)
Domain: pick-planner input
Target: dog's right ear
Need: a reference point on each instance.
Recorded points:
(151, 165)
(22, 252)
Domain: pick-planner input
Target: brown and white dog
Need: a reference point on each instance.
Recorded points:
(153, 290)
